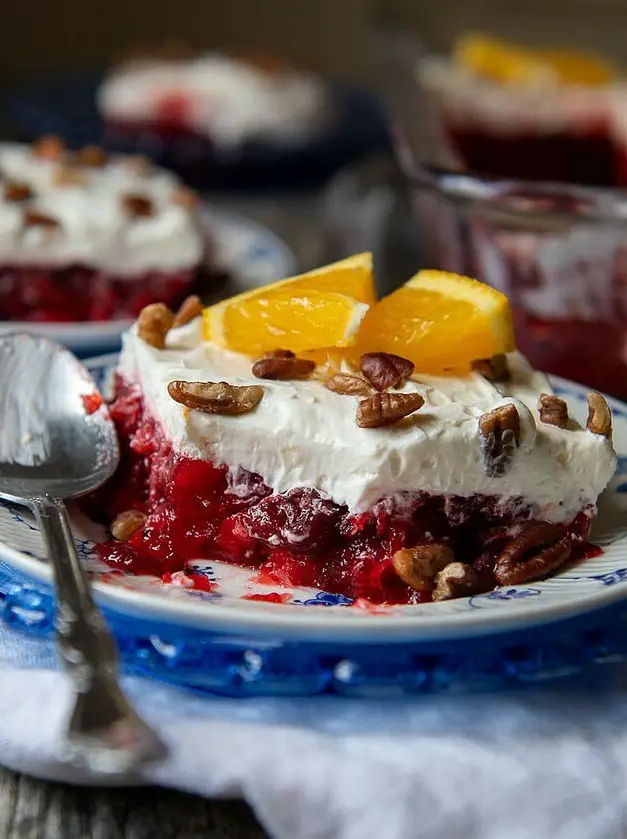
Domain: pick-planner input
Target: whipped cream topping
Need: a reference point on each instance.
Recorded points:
(543, 106)
(223, 98)
(302, 434)
(94, 229)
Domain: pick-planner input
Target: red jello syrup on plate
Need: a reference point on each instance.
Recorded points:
(197, 510)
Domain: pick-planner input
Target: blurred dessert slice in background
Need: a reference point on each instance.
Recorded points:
(87, 236)
(205, 108)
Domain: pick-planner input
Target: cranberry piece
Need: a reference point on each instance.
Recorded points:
(143, 441)
(300, 519)
(196, 478)
(285, 568)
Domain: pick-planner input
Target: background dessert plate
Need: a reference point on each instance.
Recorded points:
(249, 254)
(231, 634)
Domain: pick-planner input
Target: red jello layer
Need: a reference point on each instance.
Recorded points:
(199, 510)
(79, 293)
(582, 157)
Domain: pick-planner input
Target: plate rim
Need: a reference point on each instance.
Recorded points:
(265, 619)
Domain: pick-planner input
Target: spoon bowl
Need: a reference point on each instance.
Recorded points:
(57, 441)
(52, 441)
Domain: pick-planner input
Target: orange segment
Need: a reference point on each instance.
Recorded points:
(351, 277)
(441, 321)
(296, 321)
(510, 64)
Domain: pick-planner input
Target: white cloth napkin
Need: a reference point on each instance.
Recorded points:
(535, 763)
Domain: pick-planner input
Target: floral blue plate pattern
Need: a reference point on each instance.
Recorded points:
(234, 635)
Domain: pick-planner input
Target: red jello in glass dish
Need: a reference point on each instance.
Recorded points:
(532, 114)
(514, 158)
(333, 461)
(89, 237)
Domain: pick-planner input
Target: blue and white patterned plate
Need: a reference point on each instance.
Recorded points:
(250, 254)
(217, 638)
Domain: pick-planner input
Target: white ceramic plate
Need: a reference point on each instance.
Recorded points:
(250, 253)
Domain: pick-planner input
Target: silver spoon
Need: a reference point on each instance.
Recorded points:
(52, 448)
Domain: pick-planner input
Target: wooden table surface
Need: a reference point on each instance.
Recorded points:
(31, 809)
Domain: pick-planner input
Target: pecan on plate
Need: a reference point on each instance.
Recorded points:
(348, 385)
(284, 366)
(127, 524)
(138, 205)
(419, 565)
(455, 580)
(500, 429)
(49, 148)
(189, 309)
(553, 410)
(599, 416)
(494, 369)
(91, 156)
(216, 397)
(153, 324)
(387, 408)
(537, 550)
(15, 191)
(384, 370)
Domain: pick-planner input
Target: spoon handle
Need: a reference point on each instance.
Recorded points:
(105, 733)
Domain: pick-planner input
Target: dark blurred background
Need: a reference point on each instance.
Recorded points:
(44, 35)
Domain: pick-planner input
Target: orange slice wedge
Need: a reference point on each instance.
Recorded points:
(511, 64)
(297, 321)
(320, 309)
(441, 321)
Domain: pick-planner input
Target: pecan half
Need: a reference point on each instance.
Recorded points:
(348, 385)
(553, 410)
(67, 176)
(599, 416)
(537, 550)
(456, 580)
(185, 197)
(387, 408)
(283, 367)
(189, 309)
(418, 566)
(500, 430)
(153, 324)
(494, 369)
(138, 205)
(49, 148)
(216, 397)
(14, 191)
(32, 218)
(91, 156)
(138, 164)
(127, 524)
(384, 370)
